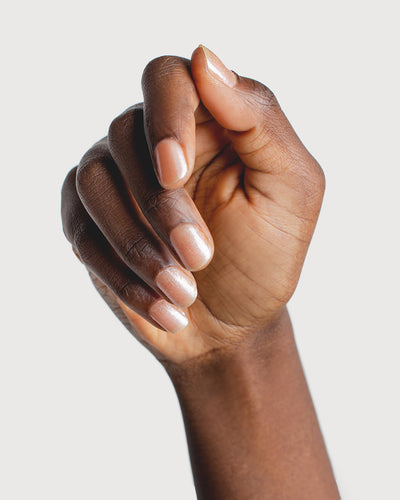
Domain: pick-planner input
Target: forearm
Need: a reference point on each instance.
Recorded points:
(251, 426)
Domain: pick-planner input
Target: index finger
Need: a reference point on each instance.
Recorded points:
(171, 111)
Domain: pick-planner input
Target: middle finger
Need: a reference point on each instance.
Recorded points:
(171, 212)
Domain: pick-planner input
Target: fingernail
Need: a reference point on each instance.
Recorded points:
(218, 69)
(191, 245)
(178, 285)
(170, 161)
(168, 316)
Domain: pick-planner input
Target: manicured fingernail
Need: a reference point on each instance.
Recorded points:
(168, 316)
(170, 161)
(191, 245)
(178, 285)
(218, 69)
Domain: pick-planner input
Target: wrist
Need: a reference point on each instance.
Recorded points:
(250, 423)
(249, 355)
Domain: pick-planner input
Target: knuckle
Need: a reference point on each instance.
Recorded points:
(92, 171)
(69, 183)
(81, 237)
(123, 290)
(262, 96)
(121, 128)
(165, 201)
(320, 178)
(136, 295)
(269, 100)
(315, 175)
(68, 192)
(135, 248)
(313, 184)
(160, 67)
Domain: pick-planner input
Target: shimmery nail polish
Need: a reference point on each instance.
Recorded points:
(168, 316)
(218, 69)
(170, 161)
(191, 245)
(179, 286)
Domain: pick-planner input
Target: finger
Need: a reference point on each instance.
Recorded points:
(171, 213)
(146, 332)
(171, 110)
(259, 130)
(100, 258)
(109, 203)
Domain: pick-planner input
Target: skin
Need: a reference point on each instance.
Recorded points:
(255, 192)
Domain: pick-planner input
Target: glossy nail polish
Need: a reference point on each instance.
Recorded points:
(218, 69)
(170, 162)
(179, 286)
(168, 316)
(191, 245)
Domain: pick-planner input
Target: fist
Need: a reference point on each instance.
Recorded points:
(194, 215)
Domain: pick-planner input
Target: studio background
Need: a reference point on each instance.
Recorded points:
(85, 411)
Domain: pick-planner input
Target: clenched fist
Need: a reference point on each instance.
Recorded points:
(194, 215)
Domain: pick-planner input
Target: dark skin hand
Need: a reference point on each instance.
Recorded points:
(206, 185)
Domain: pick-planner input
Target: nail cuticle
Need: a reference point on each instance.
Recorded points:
(177, 285)
(168, 316)
(191, 245)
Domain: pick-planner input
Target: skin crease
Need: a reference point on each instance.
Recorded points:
(255, 193)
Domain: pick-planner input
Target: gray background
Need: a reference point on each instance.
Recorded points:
(86, 412)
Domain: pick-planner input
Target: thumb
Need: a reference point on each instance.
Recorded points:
(260, 132)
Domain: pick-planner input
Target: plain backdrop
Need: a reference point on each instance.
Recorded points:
(85, 411)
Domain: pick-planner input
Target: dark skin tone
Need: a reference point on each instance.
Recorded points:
(212, 152)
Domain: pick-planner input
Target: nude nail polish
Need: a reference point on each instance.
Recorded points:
(170, 162)
(218, 69)
(179, 286)
(168, 316)
(191, 245)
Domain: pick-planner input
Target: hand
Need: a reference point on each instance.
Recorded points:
(230, 204)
